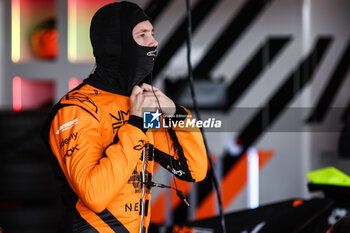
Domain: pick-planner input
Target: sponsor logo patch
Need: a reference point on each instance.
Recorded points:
(70, 152)
(140, 145)
(65, 141)
(176, 172)
(153, 53)
(67, 125)
(136, 178)
(120, 118)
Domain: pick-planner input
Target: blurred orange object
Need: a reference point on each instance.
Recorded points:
(182, 229)
(45, 40)
(297, 202)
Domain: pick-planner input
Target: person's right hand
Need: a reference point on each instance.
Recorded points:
(140, 100)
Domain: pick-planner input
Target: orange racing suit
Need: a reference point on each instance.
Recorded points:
(98, 148)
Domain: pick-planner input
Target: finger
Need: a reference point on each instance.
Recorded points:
(150, 101)
(148, 98)
(147, 87)
(136, 90)
(147, 93)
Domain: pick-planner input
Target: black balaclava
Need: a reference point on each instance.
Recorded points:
(121, 63)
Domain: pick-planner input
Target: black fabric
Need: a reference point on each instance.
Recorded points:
(178, 167)
(80, 224)
(137, 121)
(112, 222)
(92, 80)
(120, 62)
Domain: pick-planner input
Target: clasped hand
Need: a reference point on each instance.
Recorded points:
(143, 97)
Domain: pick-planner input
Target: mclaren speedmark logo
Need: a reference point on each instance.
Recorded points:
(67, 125)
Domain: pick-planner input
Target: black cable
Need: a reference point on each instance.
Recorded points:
(195, 106)
(166, 134)
(179, 193)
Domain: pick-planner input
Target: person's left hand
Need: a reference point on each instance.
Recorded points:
(166, 104)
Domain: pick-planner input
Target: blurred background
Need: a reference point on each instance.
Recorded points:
(276, 72)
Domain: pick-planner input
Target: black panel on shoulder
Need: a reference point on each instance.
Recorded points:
(83, 99)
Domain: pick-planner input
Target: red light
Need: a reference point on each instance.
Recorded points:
(17, 93)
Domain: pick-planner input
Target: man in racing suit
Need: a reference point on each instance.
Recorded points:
(96, 135)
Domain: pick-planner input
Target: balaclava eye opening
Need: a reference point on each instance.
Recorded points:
(121, 63)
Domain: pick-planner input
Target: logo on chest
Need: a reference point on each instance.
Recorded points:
(136, 180)
(119, 119)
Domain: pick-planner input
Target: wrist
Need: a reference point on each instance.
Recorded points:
(137, 121)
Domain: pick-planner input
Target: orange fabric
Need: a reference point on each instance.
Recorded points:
(104, 173)
(93, 219)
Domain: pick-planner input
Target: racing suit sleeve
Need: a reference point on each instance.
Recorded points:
(181, 150)
(96, 174)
